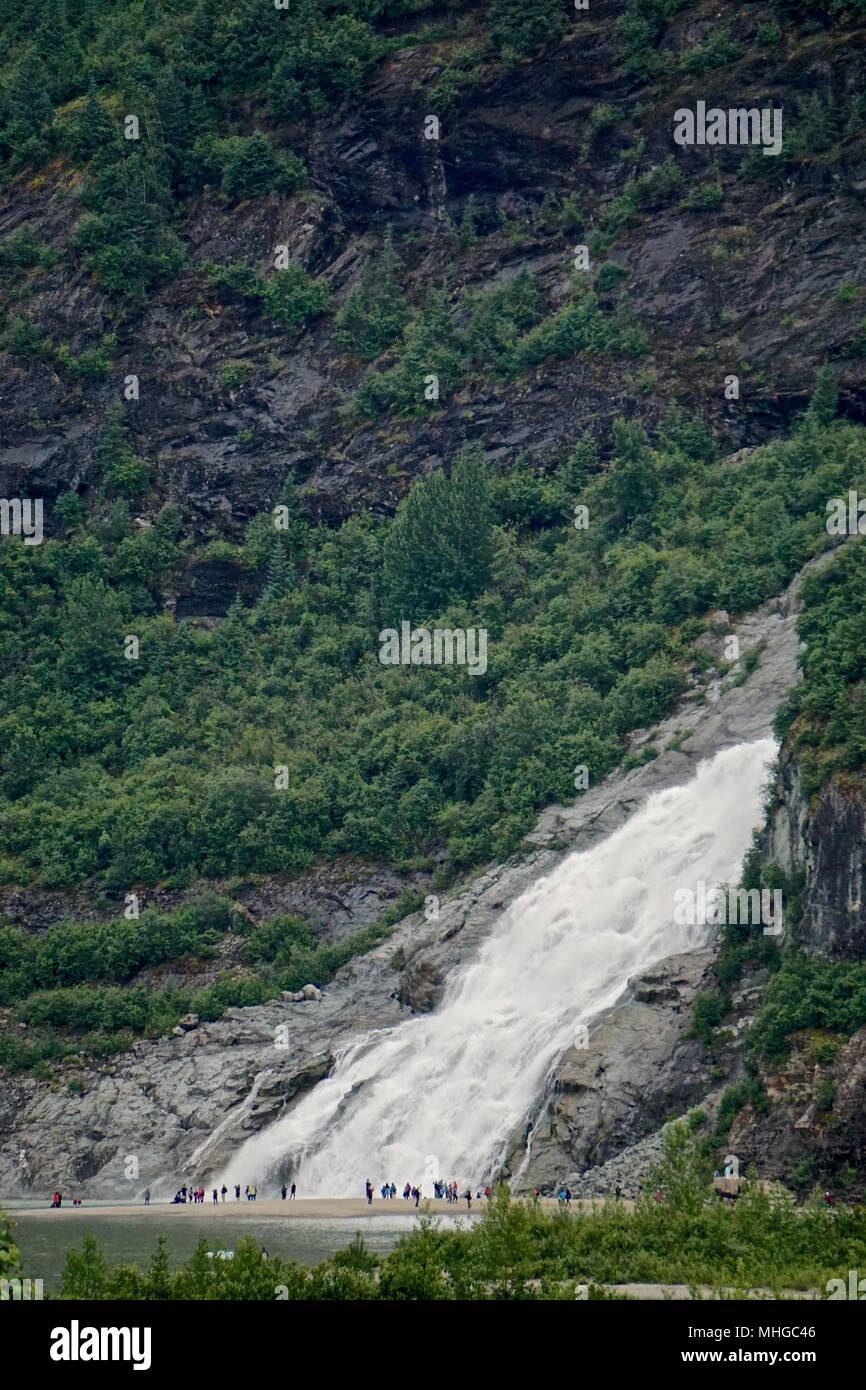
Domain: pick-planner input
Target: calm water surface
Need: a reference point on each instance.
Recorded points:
(127, 1240)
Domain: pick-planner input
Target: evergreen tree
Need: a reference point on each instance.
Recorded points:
(95, 137)
(278, 580)
(199, 55)
(441, 544)
(251, 168)
(177, 134)
(430, 348)
(30, 113)
(825, 398)
(58, 51)
(632, 473)
(521, 26)
(376, 310)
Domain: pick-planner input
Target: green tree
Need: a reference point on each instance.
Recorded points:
(441, 544)
(825, 398)
(278, 580)
(376, 311)
(250, 168)
(124, 473)
(427, 368)
(85, 1274)
(632, 474)
(519, 27)
(94, 135)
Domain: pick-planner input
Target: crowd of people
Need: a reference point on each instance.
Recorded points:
(196, 1195)
(442, 1190)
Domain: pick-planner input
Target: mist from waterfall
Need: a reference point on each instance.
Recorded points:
(442, 1094)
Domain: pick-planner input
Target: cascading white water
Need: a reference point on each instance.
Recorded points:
(442, 1094)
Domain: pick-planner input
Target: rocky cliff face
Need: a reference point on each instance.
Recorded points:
(814, 1128)
(720, 290)
(825, 841)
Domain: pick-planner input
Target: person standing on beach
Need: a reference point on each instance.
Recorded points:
(292, 1191)
(223, 1191)
(237, 1192)
(368, 1187)
(147, 1196)
(215, 1196)
(283, 1191)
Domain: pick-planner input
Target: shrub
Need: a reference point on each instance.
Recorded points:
(519, 27)
(249, 166)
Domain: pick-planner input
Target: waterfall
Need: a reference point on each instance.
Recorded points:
(442, 1094)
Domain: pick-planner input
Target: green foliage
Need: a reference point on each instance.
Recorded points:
(817, 127)
(430, 349)
(65, 983)
(704, 197)
(93, 364)
(162, 769)
(496, 320)
(748, 1091)
(708, 1010)
(124, 473)
(375, 311)
(22, 251)
(639, 30)
(519, 27)
(467, 234)
(440, 546)
(824, 715)
(70, 509)
(609, 276)
(233, 375)
(769, 34)
(322, 60)
(10, 1267)
(290, 296)
(808, 992)
(825, 398)
(249, 166)
(719, 51)
(602, 117)
(572, 217)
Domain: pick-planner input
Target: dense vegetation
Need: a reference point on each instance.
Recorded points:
(163, 768)
(825, 716)
(74, 986)
(689, 1238)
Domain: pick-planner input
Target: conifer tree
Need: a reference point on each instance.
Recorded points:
(95, 137)
(825, 398)
(376, 310)
(440, 546)
(278, 578)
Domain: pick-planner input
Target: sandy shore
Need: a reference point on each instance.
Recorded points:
(317, 1207)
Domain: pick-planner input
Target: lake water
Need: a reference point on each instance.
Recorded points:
(125, 1240)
